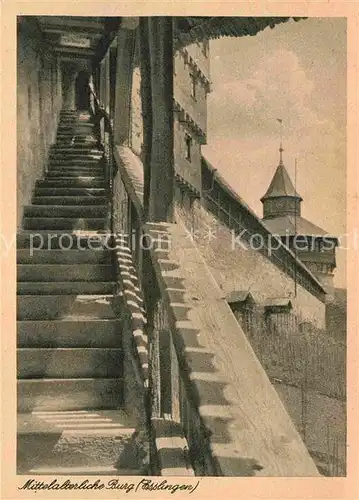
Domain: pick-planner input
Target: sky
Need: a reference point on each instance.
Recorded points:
(297, 72)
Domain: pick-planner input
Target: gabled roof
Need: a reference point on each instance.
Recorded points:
(281, 185)
(278, 302)
(239, 296)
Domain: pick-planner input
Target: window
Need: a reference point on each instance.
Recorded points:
(188, 140)
(205, 48)
(29, 102)
(193, 85)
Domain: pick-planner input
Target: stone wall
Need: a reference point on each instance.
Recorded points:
(39, 100)
(235, 268)
(190, 170)
(324, 432)
(240, 269)
(197, 109)
(336, 315)
(196, 106)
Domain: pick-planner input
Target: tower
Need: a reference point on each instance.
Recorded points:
(191, 86)
(282, 217)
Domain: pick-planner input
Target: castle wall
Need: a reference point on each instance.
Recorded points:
(325, 425)
(39, 100)
(235, 268)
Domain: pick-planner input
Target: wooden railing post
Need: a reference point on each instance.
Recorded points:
(160, 159)
(125, 55)
(151, 297)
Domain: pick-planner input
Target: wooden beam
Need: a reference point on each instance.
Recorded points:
(74, 50)
(110, 31)
(69, 22)
(63, 31)
(145, 64)
(125, 54)
(162, 155)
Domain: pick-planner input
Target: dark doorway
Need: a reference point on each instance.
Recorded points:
(82, 91)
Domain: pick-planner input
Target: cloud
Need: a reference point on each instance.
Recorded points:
(287, 73)
(277, 87)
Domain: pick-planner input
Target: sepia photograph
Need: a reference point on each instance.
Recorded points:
(181, 250)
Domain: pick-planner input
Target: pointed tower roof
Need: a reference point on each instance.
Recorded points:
(281, 184)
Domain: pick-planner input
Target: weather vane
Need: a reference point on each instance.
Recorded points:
(281, 141)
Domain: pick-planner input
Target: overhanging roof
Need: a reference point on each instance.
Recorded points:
(98, 31)
(193, 29)
(78, 37)
(291, 225)
(239, 296)
(278, 302)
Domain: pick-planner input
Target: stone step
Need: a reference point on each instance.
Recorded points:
(73, 153)
(74, 132)
(67, 192)
(71, 159)
(79, 147)
(95, 470)
(76, 164)
(74, 136)
(84, 182)
(68, 363)
(85, 442)
(57, 172)
(84, 170)
(69, 333)
(75, 128)
(65, 120)
(77, 181)
(91, 137)
(66, 288)
(77, 161)
(71, 165)
(70, 307)
(71, 121)
(96, 256)
(35, 223)
(88, 211)
(77, 142)
(69, 394)
(71, 150)
(80, 167)
(64, 272)
(74, 159)
(69, 200)
(64, 240)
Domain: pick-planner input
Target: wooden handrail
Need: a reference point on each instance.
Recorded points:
(99, 113)
(129, 272)
(193, 397)
(207, 422)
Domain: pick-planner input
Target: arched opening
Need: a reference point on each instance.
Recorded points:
(82, 91)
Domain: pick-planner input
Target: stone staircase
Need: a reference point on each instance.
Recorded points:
(69, 368)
